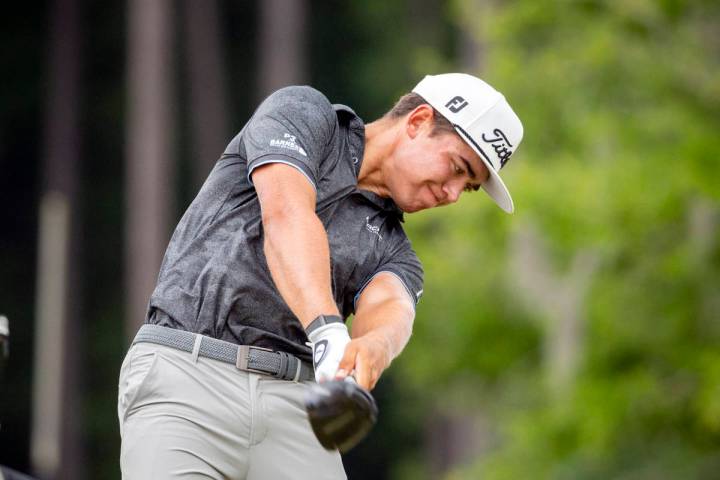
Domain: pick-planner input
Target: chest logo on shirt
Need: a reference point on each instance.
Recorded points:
(288, 142)
(372, 228)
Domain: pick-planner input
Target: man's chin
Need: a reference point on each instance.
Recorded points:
(415, 208)
(416, 204)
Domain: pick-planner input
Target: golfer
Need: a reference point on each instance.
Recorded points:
(298, 226)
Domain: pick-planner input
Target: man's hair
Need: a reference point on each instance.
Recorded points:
(409, 102)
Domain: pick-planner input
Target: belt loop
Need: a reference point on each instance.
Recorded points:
(297, 371)
(196, 347)
(283, 368)
(243, 355)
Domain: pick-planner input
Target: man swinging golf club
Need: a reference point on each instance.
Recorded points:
(298, 226)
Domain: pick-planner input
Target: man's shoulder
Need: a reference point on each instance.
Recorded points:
(309, 102)
(304, 95)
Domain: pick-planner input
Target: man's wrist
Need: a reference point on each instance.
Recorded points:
(328, 338)
(321, 321)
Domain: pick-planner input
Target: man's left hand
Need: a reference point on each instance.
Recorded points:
(366, 358)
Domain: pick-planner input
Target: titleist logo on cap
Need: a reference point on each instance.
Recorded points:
(500, 144)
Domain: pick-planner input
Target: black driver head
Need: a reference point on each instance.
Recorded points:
(341, 413)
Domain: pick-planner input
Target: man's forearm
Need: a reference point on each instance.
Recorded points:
(389, 322)
(380, 330)
(297, 252)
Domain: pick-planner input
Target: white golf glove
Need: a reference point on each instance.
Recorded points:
(328, 343)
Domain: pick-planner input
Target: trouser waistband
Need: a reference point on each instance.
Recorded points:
(249, 358)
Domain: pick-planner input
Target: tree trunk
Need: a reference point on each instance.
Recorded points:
(150, 172)
(208, 98)
(283, 45)
(703, 240)
(472, 50)
(55, 442)
(452, 438)
(558, 300)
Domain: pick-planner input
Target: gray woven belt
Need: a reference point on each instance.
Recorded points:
(280, 365)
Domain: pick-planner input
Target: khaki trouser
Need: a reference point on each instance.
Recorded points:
(186, 417)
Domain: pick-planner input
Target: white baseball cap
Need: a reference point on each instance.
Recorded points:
(483, 118)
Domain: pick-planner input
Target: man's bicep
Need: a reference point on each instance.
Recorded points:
(282, 189)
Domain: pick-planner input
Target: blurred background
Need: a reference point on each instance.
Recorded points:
(576, 339)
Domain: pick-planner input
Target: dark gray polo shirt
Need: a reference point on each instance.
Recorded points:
(214, 279)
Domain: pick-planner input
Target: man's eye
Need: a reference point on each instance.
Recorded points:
(459, 170)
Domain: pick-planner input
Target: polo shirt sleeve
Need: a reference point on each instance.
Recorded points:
(402, 262)
(295, 126)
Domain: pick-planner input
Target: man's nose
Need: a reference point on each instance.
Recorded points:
(452, 192)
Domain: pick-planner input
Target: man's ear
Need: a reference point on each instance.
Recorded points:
(419, 119)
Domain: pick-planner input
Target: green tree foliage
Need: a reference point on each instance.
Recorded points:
(621, 106)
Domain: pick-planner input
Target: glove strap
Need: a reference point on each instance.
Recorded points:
(321, 321)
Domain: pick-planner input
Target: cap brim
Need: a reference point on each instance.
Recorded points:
(494, 186)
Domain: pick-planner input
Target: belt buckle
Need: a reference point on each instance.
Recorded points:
(243, 357)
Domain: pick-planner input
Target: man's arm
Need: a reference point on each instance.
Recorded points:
(296, 244)
(298, 255)
(380, 330)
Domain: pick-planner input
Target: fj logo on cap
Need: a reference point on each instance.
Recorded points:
(456, 104)
(500, 144)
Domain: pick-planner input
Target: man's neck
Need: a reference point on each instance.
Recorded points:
(380, 139)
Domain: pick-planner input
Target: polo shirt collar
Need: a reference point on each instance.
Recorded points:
(356, 139)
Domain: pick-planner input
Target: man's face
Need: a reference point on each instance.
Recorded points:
(433, 170)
